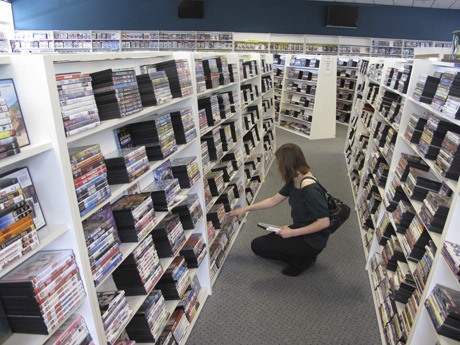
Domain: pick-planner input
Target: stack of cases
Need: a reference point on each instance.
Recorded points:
(419, 183)
(434, 211)
(211, 73)
(154, 88)
(392, 253)
(207, 194)
(186, 170)
(116, 93)
(267, 83)
(175, 280)
(169, 236)
(157, 136)
(384, 229)
(415, 128)
(443, 89)
(203, 120)
(451, 107)
(235, 157)
(403, 216)
(115, 313)
(164, 193)
(249, 93)
(433, 136)
(443, 305)
(408, 161)
(451, 253)
(185, 77)
(183, 125)
(426, 88)
(211, 106)
(216, 215)
(78, 106)
(190, 303)
(215, 148)
(103, 243)
(250, 69)
(9, 145)
(194, 250)
(199, 74)
(134, 216)
(178, 74)
(227, 130)
(230, 227)
(205, 158)
(18, 232)
(402, 283)
(150, 319)
(90, 176)
(238, 187)
(448, 160)
(225, 107)
(138, 274)
(216, 182)
(227, 169)
(403, 82)
(228, 199)
(415, 240)
(177, 325)
(394, 195)
(224, 72)
(42, 292)
(126, 165)
(72, 332)
(189, 211)
(267, 104)
(217, 249)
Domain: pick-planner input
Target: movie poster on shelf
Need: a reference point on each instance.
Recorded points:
(8, 92)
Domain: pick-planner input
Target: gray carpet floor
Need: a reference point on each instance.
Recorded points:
(331, 303)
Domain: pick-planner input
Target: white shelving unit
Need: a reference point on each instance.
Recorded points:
(132, 40)
(6, 27)
(347, 75)
(48, 159)
(362, 151)
(305, 106)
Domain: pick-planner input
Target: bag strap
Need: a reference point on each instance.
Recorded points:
(314, 179)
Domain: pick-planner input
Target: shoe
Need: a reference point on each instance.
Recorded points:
(298, 266)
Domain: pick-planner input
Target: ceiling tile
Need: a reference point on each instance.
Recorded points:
(423, 3)
(443, 3)
(456, 5)
(404, 2)
(383, 2)
(364, 1)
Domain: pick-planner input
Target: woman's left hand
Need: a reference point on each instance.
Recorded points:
(285, 231)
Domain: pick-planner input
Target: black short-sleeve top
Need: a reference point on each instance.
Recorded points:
(307, 205)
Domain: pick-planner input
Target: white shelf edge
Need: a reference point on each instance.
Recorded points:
(37, 339)
(119, 122)
(5, 60)
(117, 190)
(46, 236)
(26, 153)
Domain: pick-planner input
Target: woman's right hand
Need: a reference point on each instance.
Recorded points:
(238, 213)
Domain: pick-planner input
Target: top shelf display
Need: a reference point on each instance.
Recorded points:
(66, 41)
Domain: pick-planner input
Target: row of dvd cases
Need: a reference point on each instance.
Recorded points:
(116, 40)
(48, 158)
(403, 126)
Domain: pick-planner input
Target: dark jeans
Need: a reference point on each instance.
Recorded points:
(273, 246)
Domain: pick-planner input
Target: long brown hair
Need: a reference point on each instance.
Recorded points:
(291, 161)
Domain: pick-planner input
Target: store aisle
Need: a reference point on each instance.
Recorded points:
(331, 303)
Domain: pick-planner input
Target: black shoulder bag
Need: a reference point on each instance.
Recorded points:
(338, 210)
